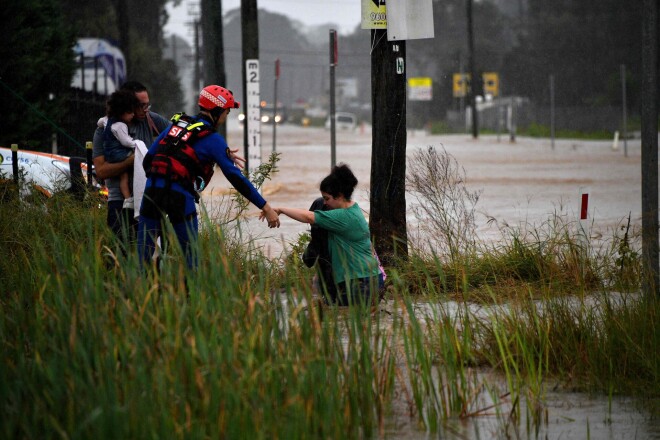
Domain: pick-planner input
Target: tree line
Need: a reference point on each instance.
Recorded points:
(38, 62)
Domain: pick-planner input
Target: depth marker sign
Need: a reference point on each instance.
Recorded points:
(253, 114)
(584, 206)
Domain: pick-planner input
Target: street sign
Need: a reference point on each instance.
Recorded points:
(409, 20)
(491, 83)
(374, 14)
(460, 84)
(253, 114)
(420, 89)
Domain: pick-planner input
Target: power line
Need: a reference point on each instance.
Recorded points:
(301, 52)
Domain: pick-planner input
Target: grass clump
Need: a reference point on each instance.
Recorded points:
(556, 256)
(599, 343)
(543, 131)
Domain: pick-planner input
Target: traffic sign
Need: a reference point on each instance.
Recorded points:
(374, 14)
(460, 84)
(491, 83)
(420, 89)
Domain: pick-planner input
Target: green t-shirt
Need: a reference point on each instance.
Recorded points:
(349, 243)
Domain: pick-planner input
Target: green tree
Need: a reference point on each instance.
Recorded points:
(137, 28)
(36, 69)
(145, 57)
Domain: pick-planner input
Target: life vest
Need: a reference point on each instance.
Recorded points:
(175, 160)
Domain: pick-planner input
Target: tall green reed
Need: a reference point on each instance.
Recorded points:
(118, 352)
(94, 346)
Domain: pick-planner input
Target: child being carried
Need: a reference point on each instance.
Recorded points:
(118, 144)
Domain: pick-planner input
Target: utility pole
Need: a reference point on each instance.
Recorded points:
(387, 220)
(197, 76)
(624, 107)
(461, 105)
(174, 48)
(277, 78)
(213, 41)
(250, 36)
(650, 245)
(552, 111)
(473, 77)
(124, 26)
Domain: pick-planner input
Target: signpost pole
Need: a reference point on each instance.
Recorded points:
(333, 64)
(277, 77)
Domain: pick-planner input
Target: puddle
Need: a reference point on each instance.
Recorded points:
(565, 416)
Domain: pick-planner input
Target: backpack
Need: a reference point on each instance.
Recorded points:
(175, 159)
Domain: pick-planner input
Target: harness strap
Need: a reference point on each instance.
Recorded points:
(175, 160)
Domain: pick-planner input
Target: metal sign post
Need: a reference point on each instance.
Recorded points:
(624, 128)
(333, 64)
(277, 77)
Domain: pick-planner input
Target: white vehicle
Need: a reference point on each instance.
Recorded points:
(45, 173)
(343, 121)
(103, 67)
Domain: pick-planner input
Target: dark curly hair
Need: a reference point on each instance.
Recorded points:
(133, 86)
(341, 180)
(120, 102)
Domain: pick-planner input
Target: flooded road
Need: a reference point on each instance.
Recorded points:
(521, 182)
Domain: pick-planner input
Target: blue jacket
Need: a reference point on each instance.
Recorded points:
(209, 149)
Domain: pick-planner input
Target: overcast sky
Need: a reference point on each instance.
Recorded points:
(344, 13)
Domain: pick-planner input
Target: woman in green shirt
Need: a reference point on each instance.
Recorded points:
(355, 268)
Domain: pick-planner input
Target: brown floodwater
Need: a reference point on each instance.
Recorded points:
(492, 412)
(521, 183)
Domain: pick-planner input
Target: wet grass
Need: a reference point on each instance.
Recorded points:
(94, 348)
(556, 257)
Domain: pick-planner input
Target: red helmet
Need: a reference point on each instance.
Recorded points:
(215, 96)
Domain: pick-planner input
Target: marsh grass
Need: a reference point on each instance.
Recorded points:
(559, 255)
(553, 257)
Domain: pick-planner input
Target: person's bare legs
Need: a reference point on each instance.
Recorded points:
(124, 186)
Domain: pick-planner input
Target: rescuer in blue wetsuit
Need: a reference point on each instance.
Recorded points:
(183, 155)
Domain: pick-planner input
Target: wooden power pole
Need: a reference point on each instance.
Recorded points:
(124, 27)
(214, 53)
(250, 36)
(387, 219)
(650, 260)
